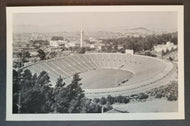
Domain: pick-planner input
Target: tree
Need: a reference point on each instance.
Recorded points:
(16, 89)
(61, 100)
(82, 50)
(162, 53)
(170, 58)
(16, 85)
(43, 79)
(89, 107)
(119, 99)
(35, 93)
(60, 82)
(96, 100)
(103, 101)
(126, 100)
(59, 97)
(41, 54)
(32, 101)
(69, 99)
(107, 107)
(110, 99)
(26, 82)
(143, 96)
(75, 94)
(26, 56)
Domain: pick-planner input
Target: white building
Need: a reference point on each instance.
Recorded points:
(72, 44)
(164, 47)
(129, 51)
(57, 41)
(33, 53)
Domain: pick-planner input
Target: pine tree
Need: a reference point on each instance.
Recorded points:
(41, 54)
(16, 89)
(59, 82)
(35, 93)
(69, 99)
(43, 78)
(59, 102)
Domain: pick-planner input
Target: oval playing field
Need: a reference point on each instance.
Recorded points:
(109, 73)
(104, 78)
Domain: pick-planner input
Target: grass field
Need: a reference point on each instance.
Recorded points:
(104, 78)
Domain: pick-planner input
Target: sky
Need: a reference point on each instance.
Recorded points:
(93, 20)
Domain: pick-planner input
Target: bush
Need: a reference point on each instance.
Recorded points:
(158, 95)
(171, 97)
(96, 100)
(107, 107)
(110, 99)
(143, 96)
(82, 50)
(126, 100)
(103, 101)
(90, 107)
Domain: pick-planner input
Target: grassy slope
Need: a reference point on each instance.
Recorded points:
(156, 105)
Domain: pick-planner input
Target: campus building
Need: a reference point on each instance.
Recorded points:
(164, 47)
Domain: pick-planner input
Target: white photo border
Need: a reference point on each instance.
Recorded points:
(104, 116)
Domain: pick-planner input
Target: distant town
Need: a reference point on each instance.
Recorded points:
(32, 47)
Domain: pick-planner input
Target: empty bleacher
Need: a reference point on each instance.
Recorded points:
(145, 69)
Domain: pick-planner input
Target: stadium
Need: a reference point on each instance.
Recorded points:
(106, 74)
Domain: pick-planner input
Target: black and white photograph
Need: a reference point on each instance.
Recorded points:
(95, 63)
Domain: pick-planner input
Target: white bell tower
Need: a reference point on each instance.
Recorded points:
(81, 38)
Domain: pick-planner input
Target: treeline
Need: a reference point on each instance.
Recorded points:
(139, 43)
(55, 38)
(109, 100)
(38, 43)
(170, 92)
(35, 94)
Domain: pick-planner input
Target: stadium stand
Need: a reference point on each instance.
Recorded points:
(147, 71)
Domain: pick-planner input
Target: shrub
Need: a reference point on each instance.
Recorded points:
(172, 97)
(107, 107)
(143, 96)
(110, 99)
(126, 100)
(96, 100)
(103, 101)
(158, 95)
